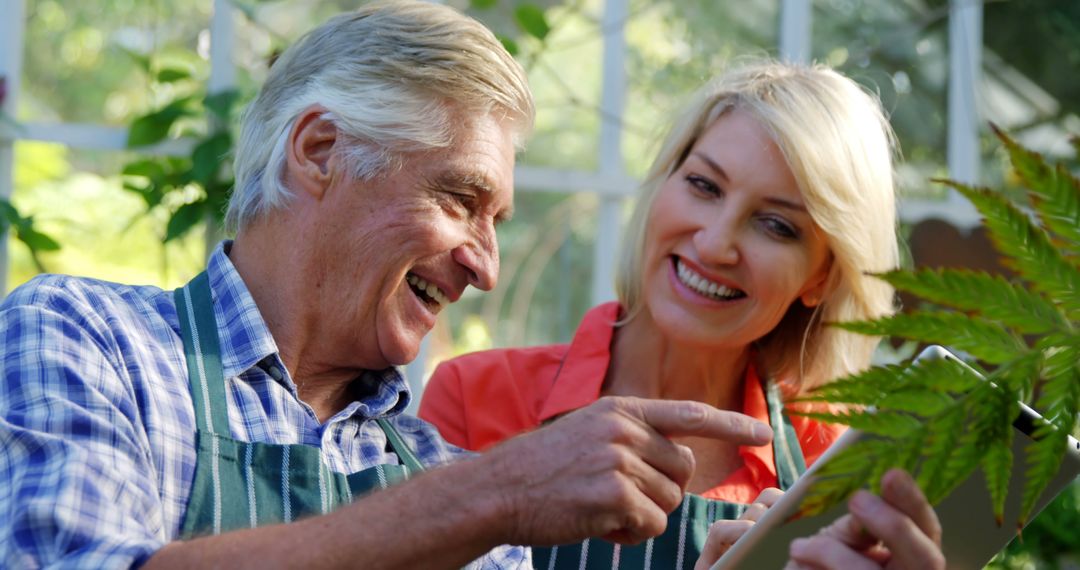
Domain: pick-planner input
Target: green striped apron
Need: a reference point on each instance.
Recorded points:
(240, 484)
(688, 525)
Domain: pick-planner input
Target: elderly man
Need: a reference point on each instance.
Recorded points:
(241, 419)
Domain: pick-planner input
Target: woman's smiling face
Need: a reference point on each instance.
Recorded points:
(729, 244)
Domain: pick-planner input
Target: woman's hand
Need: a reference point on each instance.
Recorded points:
(898, 530)
(722, 534)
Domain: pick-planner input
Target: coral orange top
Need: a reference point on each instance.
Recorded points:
(480, 399)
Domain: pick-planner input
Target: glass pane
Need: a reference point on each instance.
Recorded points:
(673, 49)
(1025, 88)
(900, 51)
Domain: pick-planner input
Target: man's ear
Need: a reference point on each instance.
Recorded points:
(309, 152)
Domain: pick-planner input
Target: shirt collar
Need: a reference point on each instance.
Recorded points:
(581, 374)
(245, 338)
(246, 342)
(580, 377)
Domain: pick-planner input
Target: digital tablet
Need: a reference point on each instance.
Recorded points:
(970, 537)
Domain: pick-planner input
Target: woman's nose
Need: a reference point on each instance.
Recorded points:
(718, 243)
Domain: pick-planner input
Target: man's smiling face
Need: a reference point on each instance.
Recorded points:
(398, 248)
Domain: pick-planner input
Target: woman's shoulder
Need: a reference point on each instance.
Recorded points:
(482, 398)
(502, 365)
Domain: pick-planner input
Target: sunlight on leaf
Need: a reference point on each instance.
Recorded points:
(532, 20)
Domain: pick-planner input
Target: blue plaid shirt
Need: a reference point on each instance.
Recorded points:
(97, 426)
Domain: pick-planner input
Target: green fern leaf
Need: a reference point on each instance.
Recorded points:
(1055, 192)
(997, 469)
(1017, 377)
(867, 388)
(917, 401)
(1059, 400)
(938, 445)
(864, 388)
(844, 474)
(1027, 248)
(982, 339)
(982, 410)
(990, 296)
(886, 423)
(1060, 393)
(1044, 457)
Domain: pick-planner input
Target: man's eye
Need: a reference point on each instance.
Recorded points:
(463, 200)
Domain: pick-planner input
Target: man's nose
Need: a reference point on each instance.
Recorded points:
(480, 258)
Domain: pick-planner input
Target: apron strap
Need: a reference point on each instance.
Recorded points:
(408, 458)
(198, 328)
(790, 463)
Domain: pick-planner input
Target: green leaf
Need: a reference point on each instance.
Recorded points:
(10, 216)
(1027, 248)
(1055, 192)
(997, 469)
(509, 44)
(989, 295)
(983, 339)
(154, 127)
(149, 168)
(482, 4)
(1018, 376)
(217, 197)
(933, 378)
(221, 103)
(1058, 402)
(888, 423)
(917, 401)
(1059, 397)
(864, 388)
(140, 60)
(185, 218)
(845, 473)
(939, 443)
(208, 156)
(172, 74)
(1043, 459)
(36, 240)
(532, 20)
(150, 192)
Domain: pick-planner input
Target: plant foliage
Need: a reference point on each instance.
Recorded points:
(166, 182)
(937, 418)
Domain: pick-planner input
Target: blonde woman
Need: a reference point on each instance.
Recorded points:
(767, 204)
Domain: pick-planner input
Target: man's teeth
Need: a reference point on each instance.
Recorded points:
(691, 279)
(428, 288)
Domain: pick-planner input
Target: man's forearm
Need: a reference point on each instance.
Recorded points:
(442, 519)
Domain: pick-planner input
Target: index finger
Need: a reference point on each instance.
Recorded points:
(675, 417)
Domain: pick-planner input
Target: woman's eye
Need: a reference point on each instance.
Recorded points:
(781, 228)
(703, 185)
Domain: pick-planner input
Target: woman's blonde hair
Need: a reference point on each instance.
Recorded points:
(395, 77)
(840, 148)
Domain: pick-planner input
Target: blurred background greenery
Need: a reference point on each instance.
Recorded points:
(135, 216)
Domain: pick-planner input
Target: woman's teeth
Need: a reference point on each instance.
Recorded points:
(691, 279)
(432, 292)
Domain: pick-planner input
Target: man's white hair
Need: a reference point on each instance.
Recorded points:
(395, 77)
